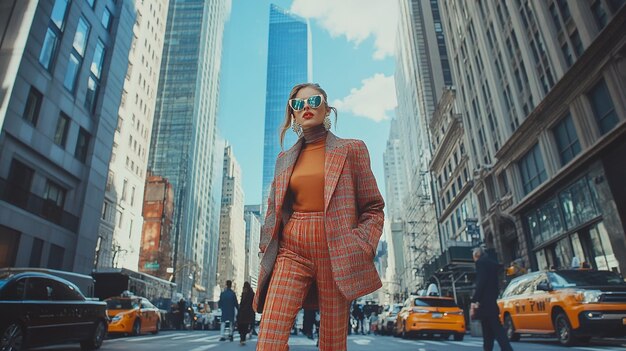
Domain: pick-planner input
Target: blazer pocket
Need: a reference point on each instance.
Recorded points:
(365, 247)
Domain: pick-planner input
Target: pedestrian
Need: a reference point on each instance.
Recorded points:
(323, 222)
(182, 307)
(228, 303)
(308, 320)
(373, 323)
(484, 303)
(245, 316)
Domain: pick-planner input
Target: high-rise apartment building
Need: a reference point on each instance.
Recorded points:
(252, 216)
(541, 87)
(288, 64)
(121, 221)
(231, 262)
(422, 70)
(183, 145)
(63, 64)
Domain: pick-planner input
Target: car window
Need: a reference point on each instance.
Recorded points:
(13, 291)
(50, 290)
(38, 289)
(119, 304)
(435, 302)
(64, 292)
(568, 279)
(146, 304)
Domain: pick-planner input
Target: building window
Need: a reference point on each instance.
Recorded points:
(603, 108)
(567, 53)
(599, 14)
(33, 105)
(564, 8)
(82, 145)
(9, 245)
(566, 139)
(132, 196)
(577, 43)
(77, 54)
(91, 3)
(60, 135)
(94, 77)
(124, 188)
(55, 258)
(109, 184)
(106, 19)
(19, 181)
(35, 253)
(54, 199)
(53, 34)
(532, 169)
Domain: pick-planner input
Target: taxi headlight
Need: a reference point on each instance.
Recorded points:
(117, 318)
(589, 296)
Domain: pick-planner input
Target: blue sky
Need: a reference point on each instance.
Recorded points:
(351, 60)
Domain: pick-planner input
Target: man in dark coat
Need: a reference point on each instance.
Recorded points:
(182, 308)
(484, 301)
(228, 303)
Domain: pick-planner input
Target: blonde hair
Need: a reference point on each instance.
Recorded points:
(288, 110)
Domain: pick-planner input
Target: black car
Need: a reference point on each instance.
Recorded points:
(39, 309)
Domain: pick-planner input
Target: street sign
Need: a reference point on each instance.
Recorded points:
(471, 226)
(151, 265)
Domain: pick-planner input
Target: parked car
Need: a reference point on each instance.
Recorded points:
(573, 304)
(40, 309)
(428, 315)
(388, 318)
(132, 315)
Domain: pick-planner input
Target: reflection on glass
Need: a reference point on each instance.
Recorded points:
(578, 248)
(550, 222)
(98, 57)
(603, 252)
(80, 38)
(578, 204)
(533, 225)
(563, 253)
(58, 13)
(541, 259)
(72, 70)
(47, 49)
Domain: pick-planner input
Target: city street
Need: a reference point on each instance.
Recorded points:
(209, 340)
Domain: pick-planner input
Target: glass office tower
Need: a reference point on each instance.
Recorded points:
(288, 63)
(183, 146)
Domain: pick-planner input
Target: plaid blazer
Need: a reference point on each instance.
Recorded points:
(353, 221)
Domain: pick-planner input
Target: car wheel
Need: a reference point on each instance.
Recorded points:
(459, 336)
(12, 338)
(157, 327)
(136, 327)
(510, 329)
(563, 329)
(97, 338)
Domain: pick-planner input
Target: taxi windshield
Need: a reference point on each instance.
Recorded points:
(426, 302)
(2, 282)
(121, 304)
(568, 279)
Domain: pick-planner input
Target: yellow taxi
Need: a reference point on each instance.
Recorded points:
(429, 315)
(132, 315)
(574, 305)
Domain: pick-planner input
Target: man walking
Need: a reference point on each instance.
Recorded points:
(484, 301)
(228, 303)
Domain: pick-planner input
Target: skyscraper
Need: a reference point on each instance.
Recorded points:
(288, 63)
(62, 68)
(183, 147)
(121, 221)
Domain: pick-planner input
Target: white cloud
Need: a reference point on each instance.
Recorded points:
(372, 100)
(356, 19)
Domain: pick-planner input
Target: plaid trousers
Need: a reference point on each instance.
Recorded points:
(303, 258)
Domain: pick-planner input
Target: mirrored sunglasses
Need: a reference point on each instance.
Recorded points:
(313, 101)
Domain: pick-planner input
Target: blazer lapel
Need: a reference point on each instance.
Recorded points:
(284, 174)
(333, 165)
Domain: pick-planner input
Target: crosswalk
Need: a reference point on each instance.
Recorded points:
(204, 342)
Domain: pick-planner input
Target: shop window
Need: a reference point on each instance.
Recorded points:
(603, 108)
(55, 257)
(35, 253)
(578, 204)
(18, 184)
(9, 244)
(603, 252)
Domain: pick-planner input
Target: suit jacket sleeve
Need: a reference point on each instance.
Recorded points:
(481, 281)
(270, 215)
(370, 203)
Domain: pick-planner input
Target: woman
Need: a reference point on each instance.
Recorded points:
(324, 219)
(245, 317)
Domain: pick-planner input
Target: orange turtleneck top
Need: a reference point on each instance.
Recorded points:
(307, 179)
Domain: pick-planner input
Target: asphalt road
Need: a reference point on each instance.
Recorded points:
(209, 340)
